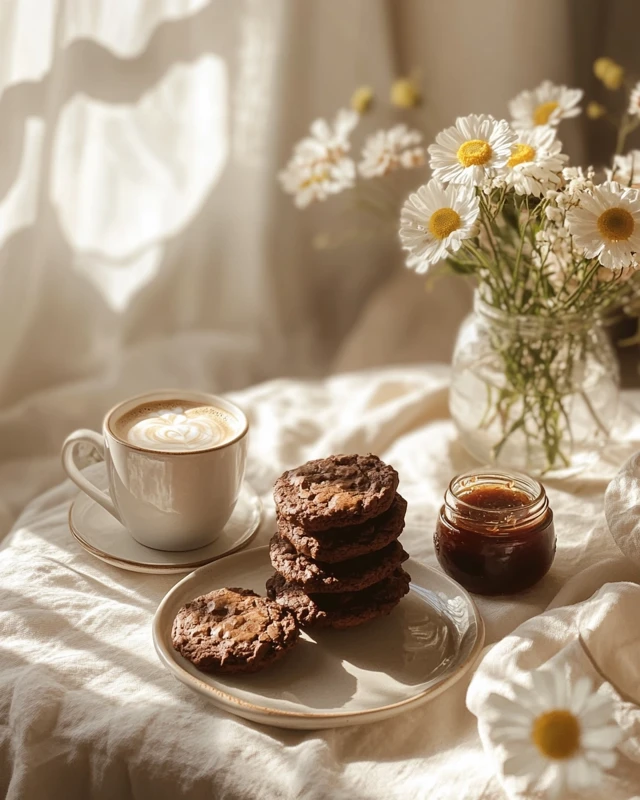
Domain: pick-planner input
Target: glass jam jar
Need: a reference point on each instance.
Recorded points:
(495, 532)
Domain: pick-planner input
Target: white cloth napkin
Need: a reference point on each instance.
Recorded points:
(598, 638)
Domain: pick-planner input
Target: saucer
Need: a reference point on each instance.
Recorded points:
(336, 678)
(107, 539)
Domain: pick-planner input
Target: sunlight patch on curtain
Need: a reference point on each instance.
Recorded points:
(257, 57)
(127, 177)
(18, 207)
(123, 27)
(27, 29)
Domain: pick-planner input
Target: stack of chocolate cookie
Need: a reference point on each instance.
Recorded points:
(336, 553)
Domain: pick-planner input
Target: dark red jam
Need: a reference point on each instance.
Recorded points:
(495, 532)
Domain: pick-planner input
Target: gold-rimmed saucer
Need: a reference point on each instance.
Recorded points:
(107, 539)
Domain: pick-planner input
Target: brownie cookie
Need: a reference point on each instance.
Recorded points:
(344, 610)
(351, 541)
(232, 631)
(347, 576)
(336, 491)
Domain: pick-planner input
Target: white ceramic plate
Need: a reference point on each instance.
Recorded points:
(337, 678)
(105, 538)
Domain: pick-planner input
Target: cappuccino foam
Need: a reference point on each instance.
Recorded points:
(176, 425)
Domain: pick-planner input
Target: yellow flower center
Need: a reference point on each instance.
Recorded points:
(616, 224)
(474, 153)
(543, 112)
(520, 154)
(317, 177)
(556, 734)
(444, 222)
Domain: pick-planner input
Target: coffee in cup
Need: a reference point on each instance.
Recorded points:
(176, 425)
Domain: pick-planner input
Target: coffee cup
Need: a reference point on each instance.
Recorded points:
(175, 463)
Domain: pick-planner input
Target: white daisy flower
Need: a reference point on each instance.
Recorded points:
(634, 101)
(386, 151)
(435, 221)
(319, 166)
(626, 169)
(333, 140)
(548, 104)
(606, 225)
(475, 149)
(536, 161)
(313, 178)
(557, 736)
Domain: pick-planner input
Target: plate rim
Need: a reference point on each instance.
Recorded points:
(232, 703)
(192, 565)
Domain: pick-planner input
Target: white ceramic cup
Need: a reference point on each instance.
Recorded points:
(168, 500)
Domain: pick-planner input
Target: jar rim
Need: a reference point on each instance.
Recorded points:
(498, 518)
(570, 321)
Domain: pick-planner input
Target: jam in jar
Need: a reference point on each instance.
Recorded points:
(495, 532)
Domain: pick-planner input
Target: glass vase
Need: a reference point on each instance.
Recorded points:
(539, 395)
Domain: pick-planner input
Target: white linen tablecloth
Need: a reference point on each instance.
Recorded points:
(87, 711)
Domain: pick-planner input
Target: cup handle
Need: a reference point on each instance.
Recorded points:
(69, 464)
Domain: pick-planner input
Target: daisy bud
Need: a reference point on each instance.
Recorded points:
(609, 72)
(362, 99)
(614, 77)
(405, 93)
(595, 110)
(600, 66)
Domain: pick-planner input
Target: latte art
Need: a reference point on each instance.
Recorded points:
(178, 427)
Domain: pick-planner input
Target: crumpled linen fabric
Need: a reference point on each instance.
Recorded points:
(622, 508)
(87, 710)
(598, 638)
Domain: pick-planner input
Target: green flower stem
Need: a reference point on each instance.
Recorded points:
(603, 428)
(627, 126)
(516, 269)
(539, 381)
(585, 284)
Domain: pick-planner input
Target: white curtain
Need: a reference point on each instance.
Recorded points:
(144, 241)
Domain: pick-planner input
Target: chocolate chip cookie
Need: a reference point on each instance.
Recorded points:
(347, 576)
(344, 610)
(351, 541)
(336, 491)
(233, 631)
